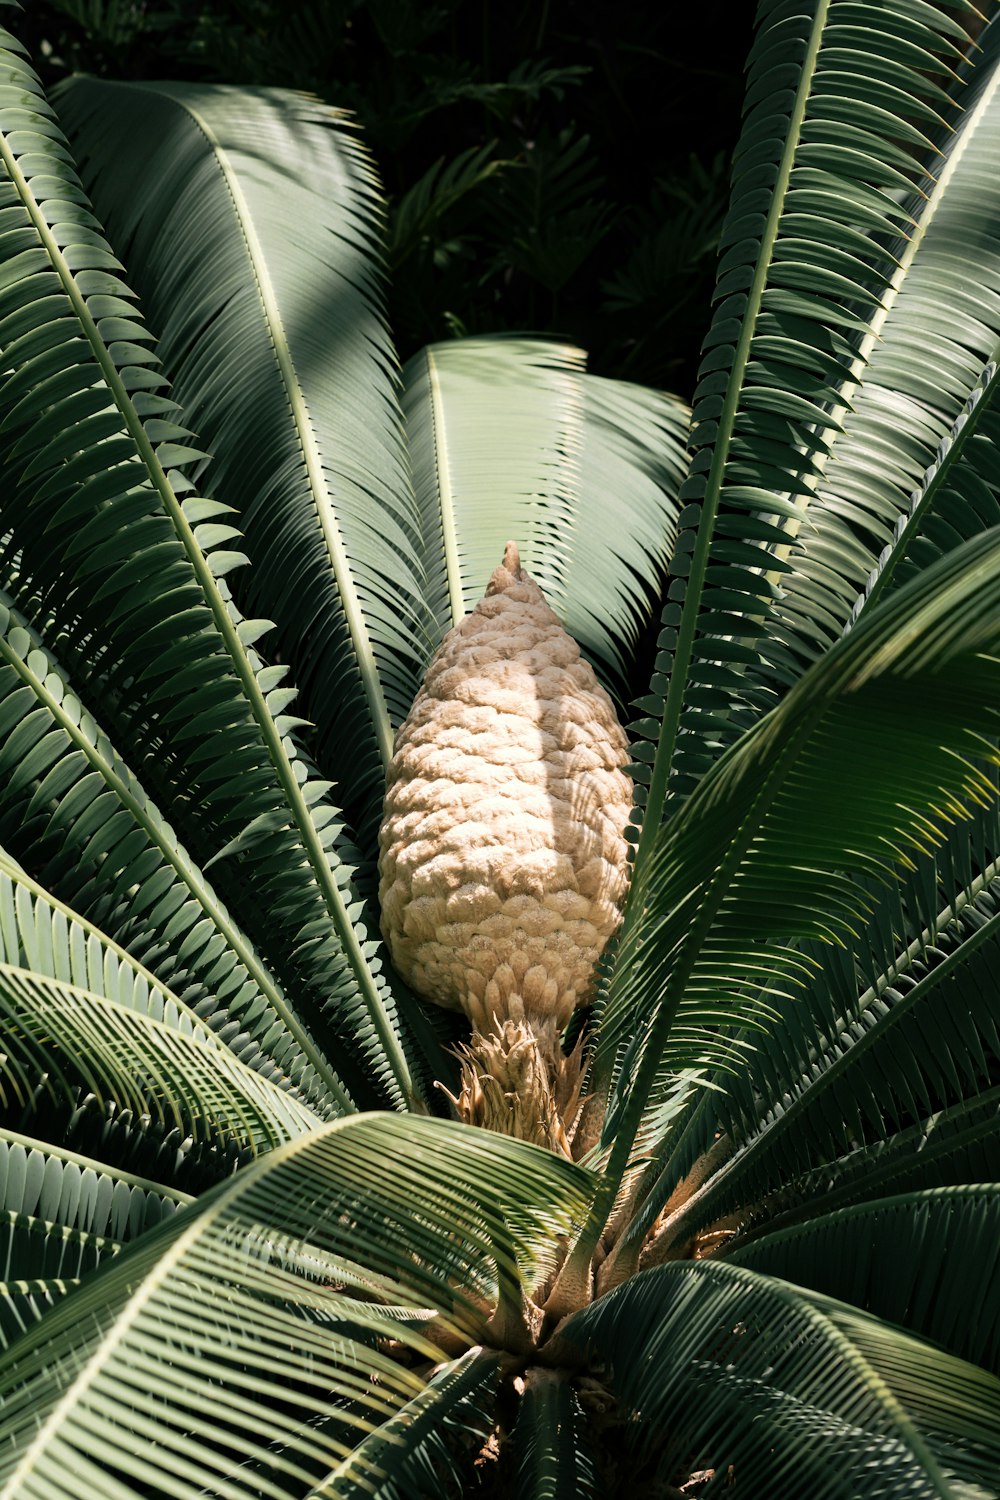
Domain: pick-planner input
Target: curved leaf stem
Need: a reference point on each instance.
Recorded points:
(449, 537)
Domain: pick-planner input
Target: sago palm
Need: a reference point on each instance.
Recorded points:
(245, 1251)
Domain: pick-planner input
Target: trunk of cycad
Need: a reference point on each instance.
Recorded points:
(503, 865)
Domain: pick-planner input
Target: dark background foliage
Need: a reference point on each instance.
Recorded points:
(558, 166)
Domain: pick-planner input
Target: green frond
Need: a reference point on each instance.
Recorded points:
(216, 1276)
(270, 1311)
(24, 1300)
(55, 1227)
(922, 370)
(428, 1444)
(783, 1391)
(485, 421)
(61, 1216)
(63, 1213)
(110, 549)
(842, 1071)
(552, 1454)
(632, 461)
(250, 221)
(509, 438)
(927, 1261)
(69, 803)
(955, 498)
(63, 1042)
(810, 259)
(59, 1187)
(768, 852)
(946, 1149)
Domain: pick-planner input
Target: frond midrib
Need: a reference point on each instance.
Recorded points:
(446, 501)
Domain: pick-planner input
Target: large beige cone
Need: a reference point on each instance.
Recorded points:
(503, 865)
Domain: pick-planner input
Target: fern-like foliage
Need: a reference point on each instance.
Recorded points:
(239, 1257)
(296, 366)
(836, 133)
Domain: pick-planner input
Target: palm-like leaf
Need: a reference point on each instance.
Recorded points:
(931, 634)
(807, 270)
(85, 1021)
(62, 1214)
(552, 1453)
(921, 369)
(101, 1056)
(280, 1267)
(425, 1442)
(738, 1368)
(170, 659)
(928, 1025)
(251, 239)
(942, 1249)
(509, 438)
(728, 898)
(60, 1039)
(70, 803)
(796, 1043)
(57, 1187)
(958, 496)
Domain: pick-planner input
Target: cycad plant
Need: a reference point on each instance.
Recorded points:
(245, 1252)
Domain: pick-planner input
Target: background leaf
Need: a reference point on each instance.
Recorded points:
(510, 439)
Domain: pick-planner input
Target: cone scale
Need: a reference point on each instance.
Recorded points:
(503, 863)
